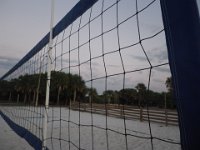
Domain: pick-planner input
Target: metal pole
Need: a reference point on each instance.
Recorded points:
(166, 121)
(44, 146)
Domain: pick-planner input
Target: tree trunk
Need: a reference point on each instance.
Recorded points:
(38, 88)
(67, 101)
(34, 95)
(29, 96)
(10, 95)
(37, 97)
(74, 96)
(25, 98)
(58, 96)
(17, 98)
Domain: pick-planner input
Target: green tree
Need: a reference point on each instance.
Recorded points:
(23, 84)
(28, 86)
(155, 99)
(5, 89)
(17, 88)
(169, 95)
(59, 82)
(76, 86)
(108, 95)
(33, 85)
(128, 96)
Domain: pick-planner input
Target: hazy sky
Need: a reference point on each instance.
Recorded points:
(25, 22)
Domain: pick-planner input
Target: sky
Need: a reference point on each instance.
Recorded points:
(24, 23)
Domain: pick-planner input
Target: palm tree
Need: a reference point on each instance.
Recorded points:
(169, 84)
(109, 95)
(25, 86)
(76, 84)
(141, 89)
(41, 86)
(17, 88)
(6, 88)
(31, 86)
(92, 93)
(59, 82)
(127, 96)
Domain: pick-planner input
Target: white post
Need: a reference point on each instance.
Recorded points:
(44, 146)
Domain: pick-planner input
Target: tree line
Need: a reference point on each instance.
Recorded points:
(66, 88)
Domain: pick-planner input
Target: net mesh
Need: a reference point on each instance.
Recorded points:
(108, 82)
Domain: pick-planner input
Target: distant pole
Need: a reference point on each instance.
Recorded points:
(44, 146)
(166, 121)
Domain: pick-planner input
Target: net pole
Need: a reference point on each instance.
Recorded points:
(182, 29)
(48, 77)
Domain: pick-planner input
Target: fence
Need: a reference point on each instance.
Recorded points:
(164, 116)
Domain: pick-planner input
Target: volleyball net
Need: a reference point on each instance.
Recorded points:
(110, 85)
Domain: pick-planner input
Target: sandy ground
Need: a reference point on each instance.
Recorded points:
(91, 125)
(9, 140)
